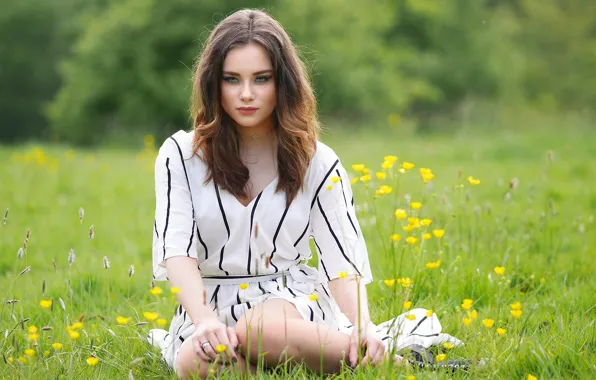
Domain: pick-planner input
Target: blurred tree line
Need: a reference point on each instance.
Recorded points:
(78, 70)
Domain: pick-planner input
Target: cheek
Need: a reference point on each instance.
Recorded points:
(227, 97)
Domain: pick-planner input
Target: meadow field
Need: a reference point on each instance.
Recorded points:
(499, 242)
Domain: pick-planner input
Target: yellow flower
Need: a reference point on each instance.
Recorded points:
(473, 181)
(381, 175)
(34, 336)
(354, 180)
(10, 359)
(407, 165)
(500, 270)
(46, 304)
(411, 240)
(516, 306)
(441, 357)
(74, 334)
(488, 323)
(448, 345)
(473, 314)
(335, 179)
(389, 282)
(407, 305)
(416, 205)
(433, 264)
(401, 214)
(46, 353)
(438, 233)
(396, 237)
(22, 359)
(516, 313)
(92, 361)
(122, 320)
(57, 346)
(467, 304)
(532, 377)
(406, 282)
(425, 222)
(313, 297)
(32, 329)
(156, 291)
(220, 348)
(387, 165)
(30, 352)
(408, 228)
(243, 286)
(426, 236)
(410, 377)
(343, 274)
(174, 290)
(161, 322)
(365, 178)
(329, 187)
(77, 325)
(426, 174)
(386, 189)
(150, 315)
(358, 167)
(429, 313)
(413, 221)
(501, 331)
(411, 317)
(391, 159)
(467, 321)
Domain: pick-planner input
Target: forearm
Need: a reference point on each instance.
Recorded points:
(184, 274)
(350, 295)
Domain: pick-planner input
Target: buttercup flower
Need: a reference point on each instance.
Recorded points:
(391, 159)
(473, 181)
(429, 313)
(407, 305)
(516, 313)
(448, 345)
(425, 222)
(467, 321)
(401, 214)
(387, 165)
(174, 290)
(488, 323)
(395, 237)
(406, 282)
(500, 270)
(441, 357)
(365, 178)
(532, 377)
(438, 233)
(381, 175)
(329, 187)
(411, 240)
(74, 335)
(473, 314)
(156, 291)
(46, 304)
(161, 322)
(407, 165)
(92, 361)
(220, 348)
(426, 174)
(389, 282)
(29, 352)
(501, 331)
(416, 205)
(57, 346)
(467, 304)
(343, 274)
(433, 264)
(411, 317)
(77, 325)
(122, 320)
(32, 329)
(150, 315)
(426, 236)
(358, 167)
(243, 286)
(335, 179)
(313, 297)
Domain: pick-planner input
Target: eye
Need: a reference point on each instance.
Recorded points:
(230, 79)
(263, 78)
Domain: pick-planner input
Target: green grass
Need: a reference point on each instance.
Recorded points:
(536, 235)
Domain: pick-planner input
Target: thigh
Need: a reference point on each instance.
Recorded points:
(274, 310)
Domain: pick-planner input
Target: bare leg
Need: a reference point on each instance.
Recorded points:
(281, 332)
(190, 366)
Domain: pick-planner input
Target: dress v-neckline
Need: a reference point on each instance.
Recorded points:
(274, 181)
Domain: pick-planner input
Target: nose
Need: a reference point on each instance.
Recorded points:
(246, 93)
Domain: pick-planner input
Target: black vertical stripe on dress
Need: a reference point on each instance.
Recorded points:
(248, 305)
(191, 202)
(341, 182)
(202, 242)
(155, 228)
(214, 296)
(232, 312)
(321, 260)
(325, 290)
(302, 234)
(182, 324)
(319, 305)
(165, 228)
(238, 300)
(192, 236)
(260, 287)
(281, 221)
(312, 314)
(252, 216)
(223, 215)
(290, 290)
(336, 239)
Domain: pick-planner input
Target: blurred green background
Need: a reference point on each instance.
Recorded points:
(105, 71)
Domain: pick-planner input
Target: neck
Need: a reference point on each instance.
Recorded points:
(257, 136)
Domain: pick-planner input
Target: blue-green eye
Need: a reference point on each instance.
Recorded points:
(230, 79)
(263, 79)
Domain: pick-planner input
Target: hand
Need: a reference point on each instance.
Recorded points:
(214, 332)
(366, 335)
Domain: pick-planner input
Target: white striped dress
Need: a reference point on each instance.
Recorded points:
(264, 244)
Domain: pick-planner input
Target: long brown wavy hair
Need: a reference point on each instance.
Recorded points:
(295, 113)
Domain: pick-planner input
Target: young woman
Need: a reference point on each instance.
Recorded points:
(237, 200)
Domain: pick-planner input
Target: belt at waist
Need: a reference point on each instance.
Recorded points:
(237, 280)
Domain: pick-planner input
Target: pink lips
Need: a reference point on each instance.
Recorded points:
(247, 110)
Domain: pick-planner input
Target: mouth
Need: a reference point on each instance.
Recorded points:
(247, 110)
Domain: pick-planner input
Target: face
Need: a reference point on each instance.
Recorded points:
(248, 86)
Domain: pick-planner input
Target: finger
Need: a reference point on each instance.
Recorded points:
(196, 342)
(353, 351)
(233, 339)
(379, 356)
(210, 350)
(222, 337)
(375, 352)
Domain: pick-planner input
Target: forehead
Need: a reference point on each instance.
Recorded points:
(247, 59)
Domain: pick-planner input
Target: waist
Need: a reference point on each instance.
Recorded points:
(240, 279)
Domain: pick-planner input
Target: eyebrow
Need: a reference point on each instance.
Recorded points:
(255, 73)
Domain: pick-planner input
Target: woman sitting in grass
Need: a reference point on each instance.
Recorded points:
(237, 199)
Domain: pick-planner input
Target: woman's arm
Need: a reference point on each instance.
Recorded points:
(350, 295)
(184, 274)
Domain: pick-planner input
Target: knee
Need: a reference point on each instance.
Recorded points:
(190, 366)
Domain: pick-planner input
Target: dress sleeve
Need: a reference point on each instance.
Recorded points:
(174, 225)
(335, 228)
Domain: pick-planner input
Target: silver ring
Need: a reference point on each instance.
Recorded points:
(205, 344)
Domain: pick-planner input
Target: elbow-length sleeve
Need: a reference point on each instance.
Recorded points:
(174, 225)
(334, 226)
